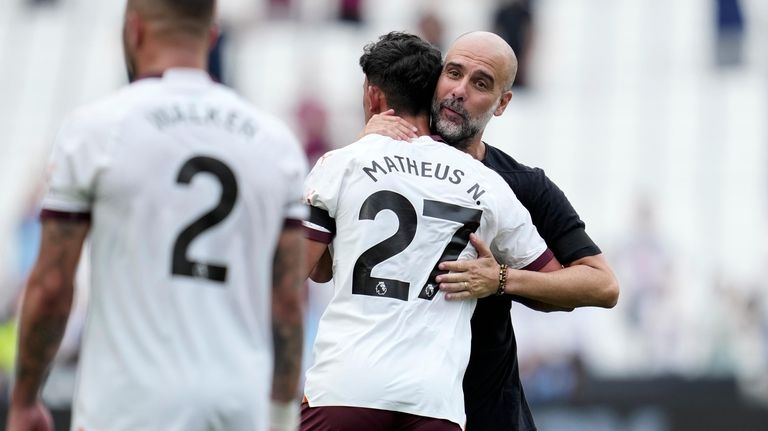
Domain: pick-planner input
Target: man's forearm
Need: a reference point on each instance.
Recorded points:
(538, 305)
(43, 321)
(46, 305)
(585, 282)
(287, 315)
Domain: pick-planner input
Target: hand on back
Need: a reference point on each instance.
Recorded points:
(389, 124)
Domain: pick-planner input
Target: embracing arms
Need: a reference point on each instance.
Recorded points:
(588, 281)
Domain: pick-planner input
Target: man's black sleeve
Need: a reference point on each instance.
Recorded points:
(555, 218)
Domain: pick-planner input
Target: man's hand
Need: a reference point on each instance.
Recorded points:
(389, 124)
(34, 417)
(471, 278)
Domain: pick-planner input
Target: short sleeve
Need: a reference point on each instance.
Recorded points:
(74, 165)
(517, 242)
(321, 193)
(557, 220)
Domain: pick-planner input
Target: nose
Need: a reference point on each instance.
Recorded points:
(460, 90)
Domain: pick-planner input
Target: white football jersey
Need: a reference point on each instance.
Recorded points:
(392, 209)
(188, 188)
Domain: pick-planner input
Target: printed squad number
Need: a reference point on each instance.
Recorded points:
(180, 264)
(362, 281)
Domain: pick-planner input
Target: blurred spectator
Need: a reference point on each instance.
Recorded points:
(730, 33)
(41, 2)
(431, 29)
(646, 267)
(513, 21)
(351, 11)
(745, 337)
(312, 116)
(552, 378)
(647, 300)
(280, 9)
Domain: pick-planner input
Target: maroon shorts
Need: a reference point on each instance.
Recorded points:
(360, 418)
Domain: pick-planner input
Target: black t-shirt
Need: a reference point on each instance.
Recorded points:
(493, 395)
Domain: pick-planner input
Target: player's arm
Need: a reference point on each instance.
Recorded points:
(319, 253)
(479, 277)
(549, 289)
(45, 309)
(322, 191)
(287, 326)
(319, 231)
(588, 281)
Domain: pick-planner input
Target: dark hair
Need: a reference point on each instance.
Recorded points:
(406, 68)
(201, 10)
(189, 16)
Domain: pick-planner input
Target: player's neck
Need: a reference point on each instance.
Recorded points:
(421, 122)
(162, 59)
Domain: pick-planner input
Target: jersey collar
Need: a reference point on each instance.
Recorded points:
(438, 138)
(186, 74)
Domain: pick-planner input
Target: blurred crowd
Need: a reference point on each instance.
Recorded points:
(675, 316)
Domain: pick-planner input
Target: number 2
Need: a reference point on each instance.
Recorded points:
(362, 281)
(180, 264)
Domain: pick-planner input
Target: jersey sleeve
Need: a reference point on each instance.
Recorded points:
(74, 165)
(556, 219)
(321, 193)
(517, 242)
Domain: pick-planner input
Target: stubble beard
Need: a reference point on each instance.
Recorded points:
(458, 134)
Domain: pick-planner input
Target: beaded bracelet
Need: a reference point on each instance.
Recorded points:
(502, 278)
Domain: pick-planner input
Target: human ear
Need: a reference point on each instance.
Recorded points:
(503, 102)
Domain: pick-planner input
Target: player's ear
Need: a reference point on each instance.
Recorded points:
(375, 99)
(134, 30)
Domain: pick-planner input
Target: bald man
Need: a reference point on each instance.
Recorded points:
(193, 202)
(476, 85)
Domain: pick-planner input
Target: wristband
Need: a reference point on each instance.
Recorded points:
(284, 416)
(502, 279)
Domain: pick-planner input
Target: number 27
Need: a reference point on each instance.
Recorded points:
(362, 281)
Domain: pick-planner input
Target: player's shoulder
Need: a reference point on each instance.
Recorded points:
(359, 152)
(100, 115)
(502, 162)
(337, 158)
(527, 180)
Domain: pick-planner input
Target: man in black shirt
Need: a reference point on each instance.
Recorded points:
(474, 86)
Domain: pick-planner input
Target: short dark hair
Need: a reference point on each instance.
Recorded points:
(406, 68)
(189, 16)
(202, 10)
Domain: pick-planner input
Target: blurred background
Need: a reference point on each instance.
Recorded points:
(651, 115)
